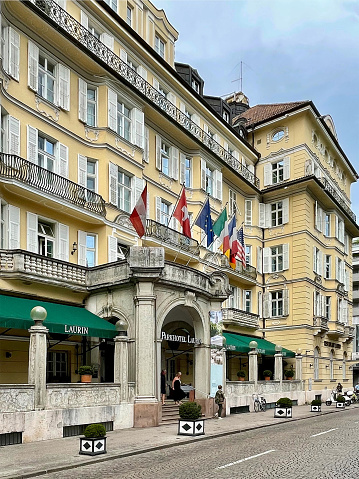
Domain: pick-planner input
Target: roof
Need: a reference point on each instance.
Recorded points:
(260, 113)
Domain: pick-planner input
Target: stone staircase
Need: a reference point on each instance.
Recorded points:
(170, 412)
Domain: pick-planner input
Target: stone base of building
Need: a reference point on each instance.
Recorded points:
(146, 414)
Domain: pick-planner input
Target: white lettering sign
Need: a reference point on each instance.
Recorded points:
(180, 339)
(76, 330)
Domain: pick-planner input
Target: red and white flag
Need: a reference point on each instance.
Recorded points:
(138, 215)
(181, 214)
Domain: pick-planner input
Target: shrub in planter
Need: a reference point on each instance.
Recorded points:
(340, 401)
(316, 405)
(289, 373)
(94, 440)
(190, 422)
(241, 374)
(284, 402)
(86, 370)
(267, 373)
(283, 407)
(316, 402)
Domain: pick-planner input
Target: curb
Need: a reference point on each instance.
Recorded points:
(49, 470)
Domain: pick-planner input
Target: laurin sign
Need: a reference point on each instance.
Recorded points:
(180, 339)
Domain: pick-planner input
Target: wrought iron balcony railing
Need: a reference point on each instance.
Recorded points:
(14, 167)
(166, 235)
(331, 190)
(241, 318)
(249, 271)
(79, 33)
(321, 323)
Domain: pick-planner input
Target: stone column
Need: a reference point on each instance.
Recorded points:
(278, 367)
(38, 355)
(202, 374)
(298, 366)
(253, 366)
(121, 365)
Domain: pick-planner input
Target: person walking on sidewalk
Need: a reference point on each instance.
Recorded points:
(219, 400)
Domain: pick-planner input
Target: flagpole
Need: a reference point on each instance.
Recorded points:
(174, 209)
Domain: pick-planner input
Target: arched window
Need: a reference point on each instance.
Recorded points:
(316, 363)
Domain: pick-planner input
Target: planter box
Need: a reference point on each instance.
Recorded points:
(92, 446)
(191, 427)
(315, 408)
(340, 405)
(282, 411)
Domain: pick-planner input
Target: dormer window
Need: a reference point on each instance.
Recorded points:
(278, 135)
(195, 86)
(160, 46)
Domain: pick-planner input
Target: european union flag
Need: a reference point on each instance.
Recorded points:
(204, 221)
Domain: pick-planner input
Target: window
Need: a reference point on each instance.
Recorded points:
(3, 228)
(87, 103)
(46, 239)
(277, 258)
(278, 135)
(209, 188)
(318, 217)
(339, 229)
(195, 85)
(57, 367)
(91, 175)
(277, 303)
(211, 180)
(232, 202)
(10, 51)
(159, 46)
(165, 213)
(328, 266)
(49, 79)
(112, 4)
(165, 158)
(328, 300)
(187, 166)
(317, 304)
(339, 270)
(274, 214)
(248, 255)
(225, 116)
(248, 212)
(248, 301)
(277, 213)
(90, 250)
(129, 16)
(126, 121)
(46, 153)
(317, 261)
(124, 191)
(233, 298)
(327, 225)
(91, 106)
(276, 171)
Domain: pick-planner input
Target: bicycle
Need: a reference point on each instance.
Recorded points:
(260, 403)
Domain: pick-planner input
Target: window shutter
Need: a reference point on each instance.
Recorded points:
(63, 160)
(32, 232)
(203, 174)
(112, 249)
(32, 144)
(285, 256)
(336, 226)
(138, 125)
(13, 135)
(259, 260)
(205, 128)
(14, 53)
(146, 146)
(285, 302)
(123, 55)
(82, 100)
(341, 231)
(285, 210)
(112, 110)
(248, 212)
(158, 153)
(158, 209)
(286, 168)
(262, 215)
(33, 66)
(156, 84)
(81, 247)
(84, 20)
(82, 170)
(182, 168)
(137, 186)
(107, 40)
(113, 180)
(266, 260)
(314, 259)
(174, 223)
(14, 227)
(267, 174)
(174, 158)
(337, 269)
(172, 98)
(266, 305)
(218, 184)
(5, 53)
(315, 312)
(63, 85)
(63, 242)
(142, 72)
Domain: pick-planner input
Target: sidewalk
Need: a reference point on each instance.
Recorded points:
(29, 460)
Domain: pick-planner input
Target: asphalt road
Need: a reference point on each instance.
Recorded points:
(315, 448)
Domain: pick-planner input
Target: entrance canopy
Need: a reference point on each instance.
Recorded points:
(237, 342)
(69, 320)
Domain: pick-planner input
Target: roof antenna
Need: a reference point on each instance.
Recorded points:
(240, 79)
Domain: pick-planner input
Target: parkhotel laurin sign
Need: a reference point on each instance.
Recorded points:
(180, 339)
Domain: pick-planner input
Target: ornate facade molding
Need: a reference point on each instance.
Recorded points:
(46, 109)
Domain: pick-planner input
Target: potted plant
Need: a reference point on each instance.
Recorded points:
(316, 405)
(241, 375)
(340, 401)
(94, 440)
(190, 423)
(86, 373)
(289, 373)
(267, 374)
(283, 407)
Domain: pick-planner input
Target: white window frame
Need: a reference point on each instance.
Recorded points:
(281, 165)
(11, 51)
(232, 203)
(248, 216)
(160, 46)
(217, 179)
(328, 267)
(164, 150)
(247, 301)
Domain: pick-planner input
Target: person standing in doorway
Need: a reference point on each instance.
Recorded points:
(177, 393)
(219, 400)
(163, 386)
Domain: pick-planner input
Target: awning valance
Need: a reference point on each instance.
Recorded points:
(237, 342)
(63, 319)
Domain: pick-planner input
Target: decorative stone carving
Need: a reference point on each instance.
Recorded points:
(123, 220)
(275, 277)
(46, 109)
(318, 279)
(165, 181)
(5, 80)
(190, 297)
(118, 143)
(142, 257)
(91, 134)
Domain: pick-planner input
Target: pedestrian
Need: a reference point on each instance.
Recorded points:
(163, 386)
(219, 400)
(339, 388)
(177, 393)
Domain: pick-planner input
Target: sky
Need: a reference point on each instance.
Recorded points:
(290, 50)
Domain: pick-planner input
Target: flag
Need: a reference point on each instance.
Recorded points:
(241, 254)
(218, 226)
(227, 236)
(138, 215)
(181, 214)
(204, 221)
(233, 244)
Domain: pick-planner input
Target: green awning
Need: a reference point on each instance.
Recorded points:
(237, 342)
(63, 319)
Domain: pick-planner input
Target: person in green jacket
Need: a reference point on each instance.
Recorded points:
(219, 400)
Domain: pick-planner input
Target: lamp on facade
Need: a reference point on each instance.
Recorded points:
(38, 315)
(299, 352)
(278, 349)
(121, 327)
(74, 247)
(253, 345)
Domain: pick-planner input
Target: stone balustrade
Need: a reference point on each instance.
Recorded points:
(17, 397)
(77, 395)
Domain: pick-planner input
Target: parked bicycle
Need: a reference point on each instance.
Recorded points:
(260, 403)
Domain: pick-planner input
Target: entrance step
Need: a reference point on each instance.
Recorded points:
(170, 412)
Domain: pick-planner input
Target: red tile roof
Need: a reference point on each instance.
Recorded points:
(260, 113)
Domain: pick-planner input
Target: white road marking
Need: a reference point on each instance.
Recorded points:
(245, 459)
(324, 432)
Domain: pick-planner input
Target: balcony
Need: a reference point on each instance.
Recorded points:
(349, 332)
(62, 20)
(333, 192)
(31, 267)
(15, 168)
(249, 271)
(321, 324)
(168, 236)
(240, 318)
(336, 329)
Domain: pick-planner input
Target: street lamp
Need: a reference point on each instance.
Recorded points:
(278, 348)
(38, 315)
(253, 345)
(121, 327)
